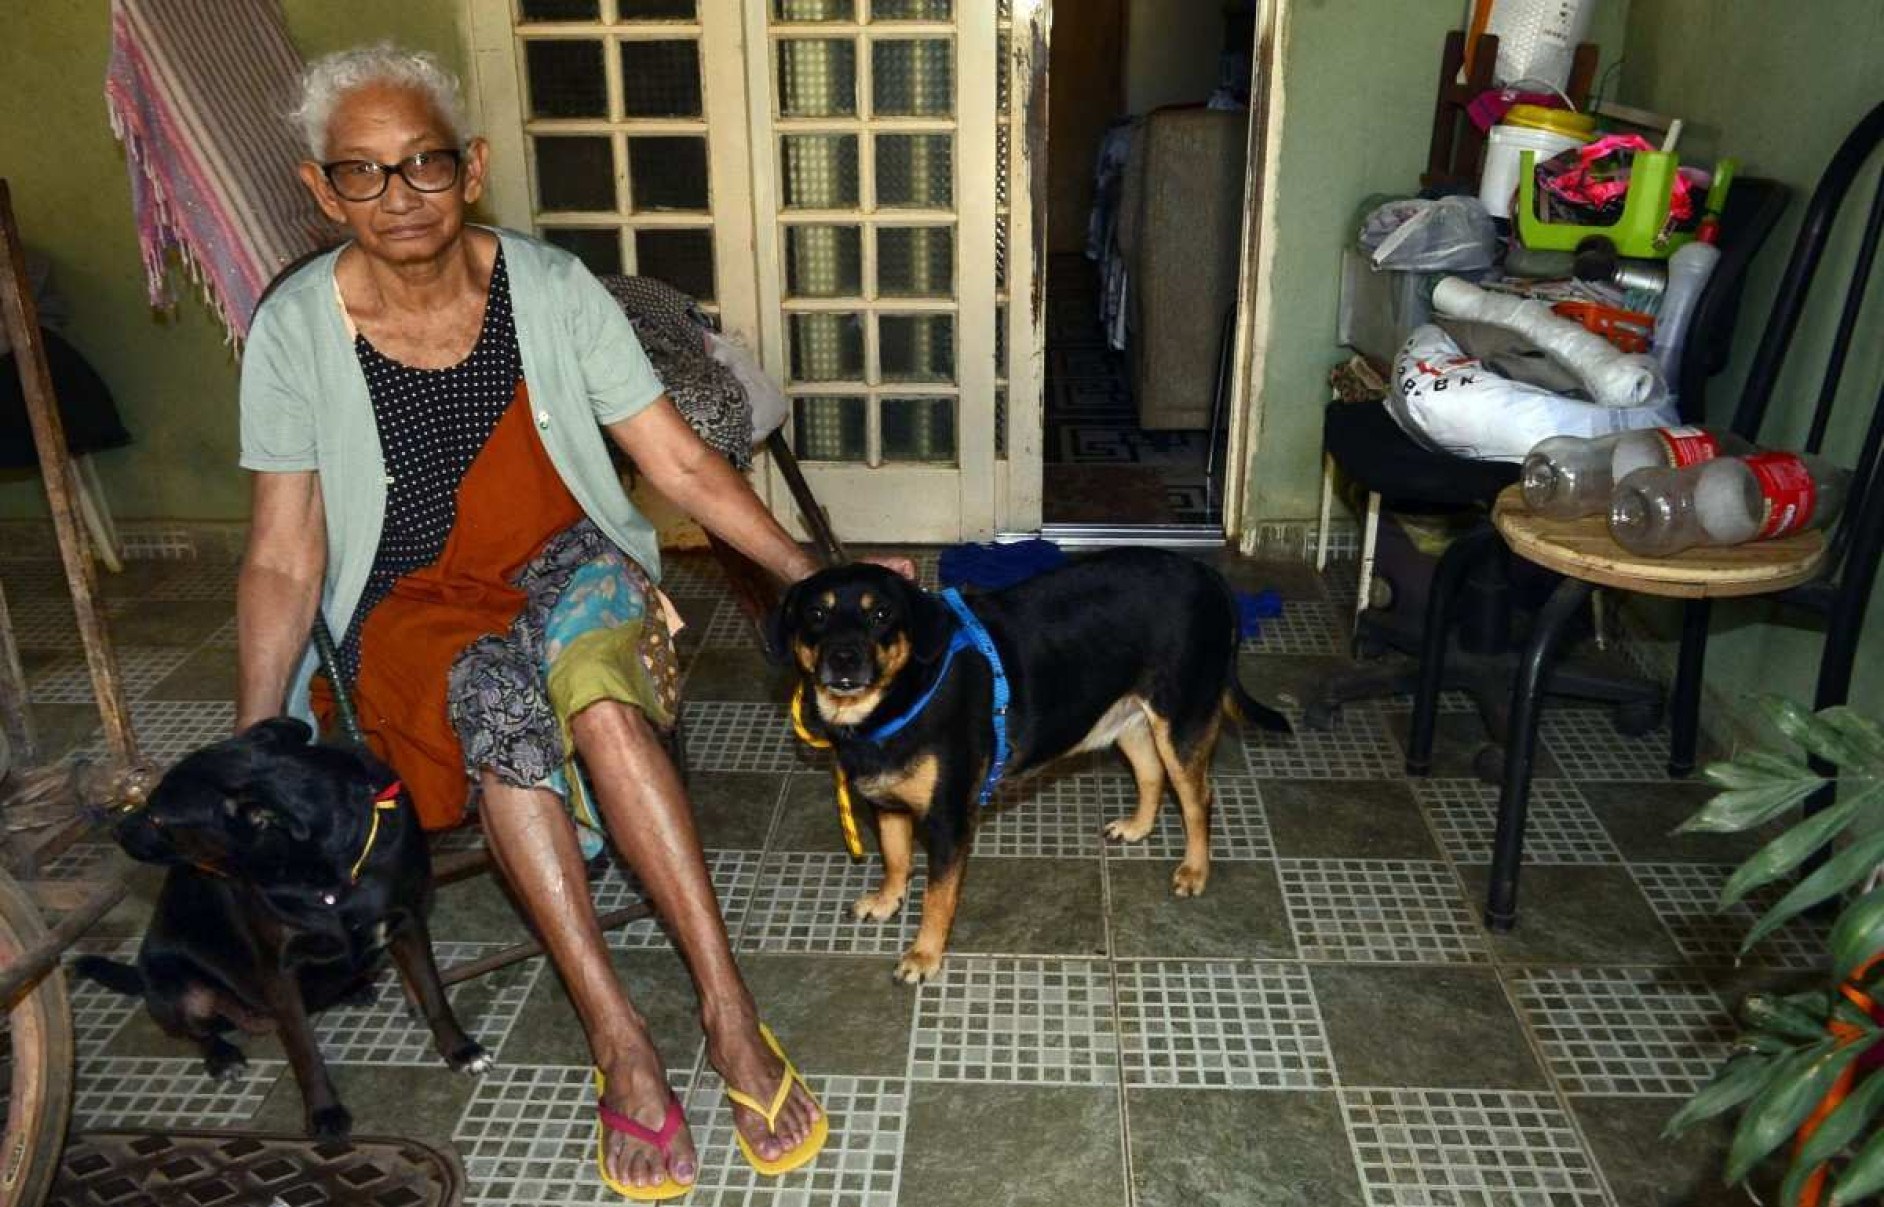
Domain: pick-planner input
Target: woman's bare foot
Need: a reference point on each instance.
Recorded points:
(636, 1086)
(743, 1060)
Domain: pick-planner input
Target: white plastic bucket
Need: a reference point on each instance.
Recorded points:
(1499, 182)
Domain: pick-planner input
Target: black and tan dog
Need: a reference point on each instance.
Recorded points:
(294, 869)
(1134, 648)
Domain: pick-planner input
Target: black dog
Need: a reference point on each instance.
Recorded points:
(1133, 648)
(294, 870)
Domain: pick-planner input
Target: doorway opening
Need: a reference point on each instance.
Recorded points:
(1148, 129)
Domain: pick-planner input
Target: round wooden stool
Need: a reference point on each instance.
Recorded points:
(1584, 553)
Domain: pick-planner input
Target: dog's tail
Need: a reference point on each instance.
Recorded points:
(114, 975)
(1246, 708)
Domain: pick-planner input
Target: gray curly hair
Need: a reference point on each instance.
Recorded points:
(330, 78)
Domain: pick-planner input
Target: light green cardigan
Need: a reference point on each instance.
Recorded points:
(305, 407)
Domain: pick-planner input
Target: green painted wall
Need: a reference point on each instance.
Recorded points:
(1778, 85)
(1359, 77)
(171, 373)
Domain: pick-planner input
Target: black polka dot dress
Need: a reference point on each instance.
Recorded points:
(432, 423)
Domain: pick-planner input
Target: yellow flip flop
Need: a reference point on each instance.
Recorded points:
(609, 1120)
(810, 1146)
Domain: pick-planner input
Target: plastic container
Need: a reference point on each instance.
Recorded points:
(1504, 149)
(1638, 232)
(1565, 477)
(1660, 511)
(1580, 126)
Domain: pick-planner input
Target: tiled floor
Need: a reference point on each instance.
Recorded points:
(1101, 466)
(1328, 1024)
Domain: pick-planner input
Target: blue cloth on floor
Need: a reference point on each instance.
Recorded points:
(1254, 607)
(991, 567)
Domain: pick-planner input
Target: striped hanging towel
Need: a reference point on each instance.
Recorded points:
(199, 92)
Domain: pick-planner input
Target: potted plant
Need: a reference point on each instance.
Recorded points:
(1802, 1070)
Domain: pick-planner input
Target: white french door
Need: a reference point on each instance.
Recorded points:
(837, 180)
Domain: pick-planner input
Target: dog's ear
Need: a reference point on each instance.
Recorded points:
(255, 816)
(780, 623)
(279, 733)
(931, 624)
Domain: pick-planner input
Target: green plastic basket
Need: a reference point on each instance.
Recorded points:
(1638, 232)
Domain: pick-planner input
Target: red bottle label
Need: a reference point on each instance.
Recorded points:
(1688, 445)
(1787, 487)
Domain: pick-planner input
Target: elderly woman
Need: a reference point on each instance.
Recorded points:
(424, 410)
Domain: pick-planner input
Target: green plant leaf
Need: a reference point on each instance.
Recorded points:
(1790, 849)
(1864, 1176)
(1818, 735)
(1858, 934)
(1756, 769)
(1748, 808)
(1861, 731)
(1764, 1042)
(1839, 872)
(1738, 1080)
(1839, 1128)
(1790, 1094)
(1764, 1012)
(1816, 1002)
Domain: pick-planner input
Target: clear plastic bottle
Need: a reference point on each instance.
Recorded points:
(1660, 511)
(1569, 476)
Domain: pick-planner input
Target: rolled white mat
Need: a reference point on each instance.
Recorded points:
(1612, 377)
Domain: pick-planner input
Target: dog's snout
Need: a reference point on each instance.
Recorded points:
(846, 658)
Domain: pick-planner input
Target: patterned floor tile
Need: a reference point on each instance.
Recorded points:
(1305, 627)
(1626, 1031)
(1018, 1021)
(223, 637)
(1056, 817)
(692, 574)
(743, 737)
(387, 1032)
(1420, 1148)
(97, 1012)
(135, 1091)
(1587, 747)
(1558, 828)
(1686, 896)
(43, 622)
(1221, 1024)
(1238, 827)
(69, 681)
(204, 579)
(802, 903)
(1356, 746)
(734, 875)
(729, 628)
(169, 729)
(1379, 910)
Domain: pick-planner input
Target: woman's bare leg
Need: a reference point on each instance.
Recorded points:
(533, 842)
(649, 817)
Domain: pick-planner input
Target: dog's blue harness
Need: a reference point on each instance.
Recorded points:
(970, 634)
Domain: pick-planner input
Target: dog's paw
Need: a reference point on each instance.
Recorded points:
(330, 1122)
(917, 966)
(472, 1059)
(1125, 830)
(876, 907)
(224, 1062)
(1189, 880)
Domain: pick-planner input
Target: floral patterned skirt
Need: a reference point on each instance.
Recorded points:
(592, 628)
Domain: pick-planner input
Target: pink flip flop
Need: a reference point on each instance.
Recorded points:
(611, 1120)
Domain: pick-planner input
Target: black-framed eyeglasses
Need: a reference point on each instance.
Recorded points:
(363, 180)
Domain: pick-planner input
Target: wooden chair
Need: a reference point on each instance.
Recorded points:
(1830, 574)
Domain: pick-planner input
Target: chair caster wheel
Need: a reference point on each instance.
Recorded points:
(1636, 720)
(1321, 716)
(1488, 764)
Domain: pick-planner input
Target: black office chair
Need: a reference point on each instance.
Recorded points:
(1478, 576)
